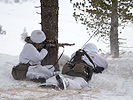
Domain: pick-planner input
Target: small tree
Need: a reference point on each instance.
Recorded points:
(16, 1)
(107, 14)
(24, 34)
(2, 31)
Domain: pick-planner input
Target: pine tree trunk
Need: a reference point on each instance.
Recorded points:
(114, 44)
(49, 22)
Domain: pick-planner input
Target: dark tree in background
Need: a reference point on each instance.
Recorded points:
(49, 23)
(16, 1)
(106, 14)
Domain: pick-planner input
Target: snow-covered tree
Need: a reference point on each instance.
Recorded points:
(2, 31)
(24, 34)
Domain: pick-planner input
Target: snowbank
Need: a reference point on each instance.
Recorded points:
(116, 82)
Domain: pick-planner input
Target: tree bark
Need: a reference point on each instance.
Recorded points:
(114, 42)
(49, 22)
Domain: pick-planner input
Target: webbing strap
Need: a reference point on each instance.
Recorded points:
(57, 59)
(89, 58)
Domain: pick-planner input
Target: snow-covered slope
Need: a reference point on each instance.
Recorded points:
(116, 82)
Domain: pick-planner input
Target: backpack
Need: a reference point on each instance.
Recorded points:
(78, 67)
(19, 71)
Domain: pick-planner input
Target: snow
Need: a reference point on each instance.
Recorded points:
(115, 83)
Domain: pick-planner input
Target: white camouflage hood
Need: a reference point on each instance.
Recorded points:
(91, 48)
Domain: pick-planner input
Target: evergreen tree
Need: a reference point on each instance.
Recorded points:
(107, 14)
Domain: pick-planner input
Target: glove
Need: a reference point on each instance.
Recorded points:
(46, 46)
(98, 69)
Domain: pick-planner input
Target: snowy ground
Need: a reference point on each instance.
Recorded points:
(115, 83)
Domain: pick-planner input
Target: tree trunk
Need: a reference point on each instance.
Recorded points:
(49, 22)
(114, 44)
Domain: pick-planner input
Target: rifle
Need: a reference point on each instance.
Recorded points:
(65, 44)
(53, 43)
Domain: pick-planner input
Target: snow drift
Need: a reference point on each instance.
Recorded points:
(116, 82)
